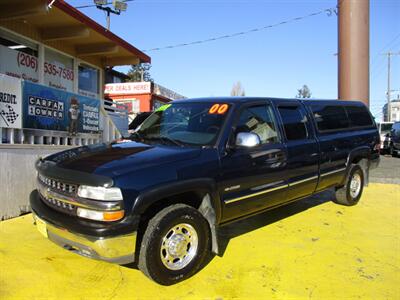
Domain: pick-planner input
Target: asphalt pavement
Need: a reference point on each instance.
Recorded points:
(388, 170)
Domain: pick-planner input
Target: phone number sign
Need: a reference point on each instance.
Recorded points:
(58, 68)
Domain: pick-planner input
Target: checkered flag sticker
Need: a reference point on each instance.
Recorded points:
(9, 117)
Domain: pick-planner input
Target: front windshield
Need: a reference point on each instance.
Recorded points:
(184, 123)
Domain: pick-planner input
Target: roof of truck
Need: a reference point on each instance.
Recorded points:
(251, 99)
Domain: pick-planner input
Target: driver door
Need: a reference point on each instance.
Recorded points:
(253, 178)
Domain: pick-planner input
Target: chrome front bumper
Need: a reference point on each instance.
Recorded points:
(119, 249)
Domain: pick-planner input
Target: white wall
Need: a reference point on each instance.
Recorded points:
(18, 176)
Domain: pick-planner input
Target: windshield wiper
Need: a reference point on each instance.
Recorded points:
(136, 136)
(166, 139)
(170, 140)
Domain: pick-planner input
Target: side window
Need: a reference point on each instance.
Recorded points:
(359, 116)
(294, 122)
(329, 117)
(260, 120)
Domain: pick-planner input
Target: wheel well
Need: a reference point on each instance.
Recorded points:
(358, 158)
(191, 198)
(362, 161)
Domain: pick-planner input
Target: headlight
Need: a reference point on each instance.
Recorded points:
(100, 193)
(107, 216)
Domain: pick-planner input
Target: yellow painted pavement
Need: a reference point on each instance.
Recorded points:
(312, 249)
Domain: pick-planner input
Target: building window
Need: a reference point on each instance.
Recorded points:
(18, 57)
(58, 70)
(88, 82)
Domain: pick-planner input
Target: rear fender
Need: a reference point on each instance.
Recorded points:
(361, 156)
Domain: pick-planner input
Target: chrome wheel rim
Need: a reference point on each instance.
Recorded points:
(355, 185)
(179, 246)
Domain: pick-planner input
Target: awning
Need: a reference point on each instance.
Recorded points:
(80, 35)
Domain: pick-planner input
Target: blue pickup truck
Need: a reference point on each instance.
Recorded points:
(159, 198)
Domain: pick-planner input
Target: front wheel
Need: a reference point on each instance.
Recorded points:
(175, 244)
(351, 192)
(393, 153)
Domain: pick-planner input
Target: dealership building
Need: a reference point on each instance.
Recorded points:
(52, 73)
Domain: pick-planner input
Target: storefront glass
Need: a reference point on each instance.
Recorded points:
(18, 57)
(58, 71)
(88, 81)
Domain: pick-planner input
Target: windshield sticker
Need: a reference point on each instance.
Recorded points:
(218, 109)
(163, 107)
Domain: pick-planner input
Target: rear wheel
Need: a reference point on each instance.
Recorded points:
(175, 244)
(351, 192)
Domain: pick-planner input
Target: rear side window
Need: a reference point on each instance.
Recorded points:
(330, 117)
(294, 122)
(359, 116)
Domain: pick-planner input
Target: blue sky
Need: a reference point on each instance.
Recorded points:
(273, 62)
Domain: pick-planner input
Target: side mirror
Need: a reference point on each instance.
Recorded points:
(247, 139)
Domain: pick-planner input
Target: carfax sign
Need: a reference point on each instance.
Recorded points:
(52, 109)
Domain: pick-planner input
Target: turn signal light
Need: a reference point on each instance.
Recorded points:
(113, 215)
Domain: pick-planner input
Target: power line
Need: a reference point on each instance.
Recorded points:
(329, 11)
(375, 59)
(94, 5)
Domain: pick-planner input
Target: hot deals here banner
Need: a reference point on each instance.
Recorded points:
(52, 109)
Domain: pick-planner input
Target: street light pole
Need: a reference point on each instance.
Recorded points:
(353, 52)
(109, 10)
(389, 109)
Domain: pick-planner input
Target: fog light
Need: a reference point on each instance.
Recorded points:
(100, 215)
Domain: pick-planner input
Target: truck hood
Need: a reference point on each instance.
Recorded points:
(113, 159)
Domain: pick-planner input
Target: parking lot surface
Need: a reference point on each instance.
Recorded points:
(312, 249)
(388, 171)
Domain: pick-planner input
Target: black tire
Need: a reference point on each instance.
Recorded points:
(159, 227)
(393, 153)
(345, 194)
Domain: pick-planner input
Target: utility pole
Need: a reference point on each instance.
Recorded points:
(389, 91)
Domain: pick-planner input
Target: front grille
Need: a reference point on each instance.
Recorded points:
(60, 205)
(58, 186)
(64, 190)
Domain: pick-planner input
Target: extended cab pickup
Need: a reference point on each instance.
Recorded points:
(194, 165)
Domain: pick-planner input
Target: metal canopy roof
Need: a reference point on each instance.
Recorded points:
(78, 32)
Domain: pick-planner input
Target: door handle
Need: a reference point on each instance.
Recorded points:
(272, 160)
(276, 158)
